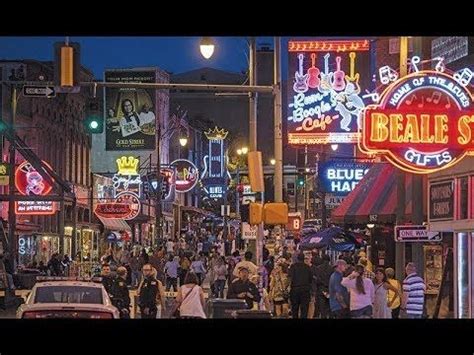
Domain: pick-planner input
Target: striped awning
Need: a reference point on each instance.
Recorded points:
(376, 194)
(115, 224)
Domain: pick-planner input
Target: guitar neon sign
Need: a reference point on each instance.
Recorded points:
(327, 100)
(424, 122)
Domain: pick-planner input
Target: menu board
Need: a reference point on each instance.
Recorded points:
(433, 271)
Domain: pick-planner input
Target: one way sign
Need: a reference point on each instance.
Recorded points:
(411, 233)
(39, 91)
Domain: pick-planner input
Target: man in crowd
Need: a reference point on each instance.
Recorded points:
(242, 288)
(150, 294)
(247, 263)
(300, 287)
(413, 297)
(338, 294)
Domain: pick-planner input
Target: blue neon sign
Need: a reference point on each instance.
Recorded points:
(341, 177)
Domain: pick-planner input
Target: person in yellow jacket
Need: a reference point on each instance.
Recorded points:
(369, 266)
(393, 299)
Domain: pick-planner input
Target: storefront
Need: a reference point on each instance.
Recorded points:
(39, 247)
(451, 209)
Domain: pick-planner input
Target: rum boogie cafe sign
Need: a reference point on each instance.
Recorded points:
(423, 122)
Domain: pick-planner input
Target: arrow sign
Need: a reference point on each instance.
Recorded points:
(39, 91)
(411, 233)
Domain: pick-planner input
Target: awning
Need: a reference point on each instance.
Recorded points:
(376, 194)
(196, 210)
(115, 224)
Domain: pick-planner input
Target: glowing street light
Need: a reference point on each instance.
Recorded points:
(245, 150)
(207, 47)
(272, 161)
(334, 147)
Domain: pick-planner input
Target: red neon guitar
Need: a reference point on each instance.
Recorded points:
(339, 83)
(313, 73)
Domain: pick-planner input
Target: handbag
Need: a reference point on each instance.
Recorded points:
(176, 313)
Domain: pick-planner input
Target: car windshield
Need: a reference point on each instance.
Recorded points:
(68, 294)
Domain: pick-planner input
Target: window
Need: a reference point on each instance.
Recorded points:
(68, 294)
(463, 197)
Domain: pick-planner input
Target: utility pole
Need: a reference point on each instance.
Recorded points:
(11, 189)
(399, 246)
(158, 211)
(253, 95)
(278, 174)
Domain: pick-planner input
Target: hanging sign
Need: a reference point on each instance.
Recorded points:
(187, 175)
(327, 82)
(127, 177)
(30, 183)
(423, 122)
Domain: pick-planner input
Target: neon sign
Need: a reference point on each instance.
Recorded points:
(127, 177)
(113, 210)
(325, 103)
(30, 183)
(215, 174)
(424, 121)
(133, 202)
(187, 175)
(341, 177)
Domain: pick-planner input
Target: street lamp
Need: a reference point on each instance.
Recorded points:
(207, 47)
(183, 140)
(272, 161)
(334, 147)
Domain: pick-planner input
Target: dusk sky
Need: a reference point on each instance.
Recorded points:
(174, 54)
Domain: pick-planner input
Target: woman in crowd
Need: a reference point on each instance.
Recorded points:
(190, 298)
(381, 308)
(197, 267)
(394, 298)
(279, 292)
(361, 290)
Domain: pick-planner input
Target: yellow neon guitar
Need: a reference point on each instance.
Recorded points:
(352, 76)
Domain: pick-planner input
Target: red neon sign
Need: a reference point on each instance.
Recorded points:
(113, 210)
(423, 123)
(30, 183)
(325, 46)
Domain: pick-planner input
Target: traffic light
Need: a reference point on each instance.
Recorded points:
(94, 122)
(275, 213)
(67, 64)
(256, 213)
(300, 180)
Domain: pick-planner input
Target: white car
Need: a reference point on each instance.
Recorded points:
(61, 297)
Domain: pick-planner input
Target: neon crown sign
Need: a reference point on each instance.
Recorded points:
(422, 122)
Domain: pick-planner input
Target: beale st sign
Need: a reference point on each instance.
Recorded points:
(422, 122)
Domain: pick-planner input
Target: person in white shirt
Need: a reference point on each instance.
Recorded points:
(190, 298)
(362, 293)
(146, 116)
(169, 246)
(247, 263)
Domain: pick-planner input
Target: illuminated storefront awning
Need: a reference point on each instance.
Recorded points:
(376, 195)
(115, 224)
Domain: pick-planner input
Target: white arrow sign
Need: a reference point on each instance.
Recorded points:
(39, 91)
(411, 233)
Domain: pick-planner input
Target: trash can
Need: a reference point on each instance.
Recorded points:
(251, 314)
(223, 308)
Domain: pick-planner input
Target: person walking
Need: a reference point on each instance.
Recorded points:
(220, 275)
(394, 298)
(279, 290)
(247, 263)
(197, 267)
(321, 275)
(190, 299)
(300, 287)
(184, 265)
(171, 272)
(381, 308)
(121, 294)
(414, 289)
(361, 291)
(150, 294)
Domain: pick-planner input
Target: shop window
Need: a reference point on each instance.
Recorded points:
(463, 197)
(462, 263)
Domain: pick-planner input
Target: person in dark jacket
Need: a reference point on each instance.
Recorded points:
(54, 265)
(321, 275)
(107, 280)
(148, 293)
(121, 298)
(300, 287)
(242, 288)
